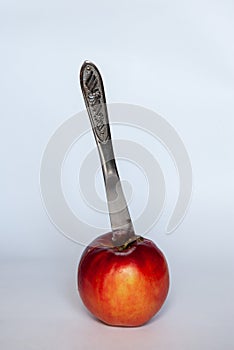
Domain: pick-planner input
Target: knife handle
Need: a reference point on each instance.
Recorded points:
(95, 101)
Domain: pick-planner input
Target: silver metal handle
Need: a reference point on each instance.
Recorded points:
(95, 101)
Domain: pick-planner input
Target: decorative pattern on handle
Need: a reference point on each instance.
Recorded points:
(94, 96)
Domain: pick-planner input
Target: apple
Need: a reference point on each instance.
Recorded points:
(123, 285)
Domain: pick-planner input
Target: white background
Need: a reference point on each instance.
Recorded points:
(174, 57)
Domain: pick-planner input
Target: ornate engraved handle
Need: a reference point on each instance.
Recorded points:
(94, 97)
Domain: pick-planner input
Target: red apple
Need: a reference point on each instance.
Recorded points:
(123, 286)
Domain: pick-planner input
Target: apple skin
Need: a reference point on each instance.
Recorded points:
(123, 287)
